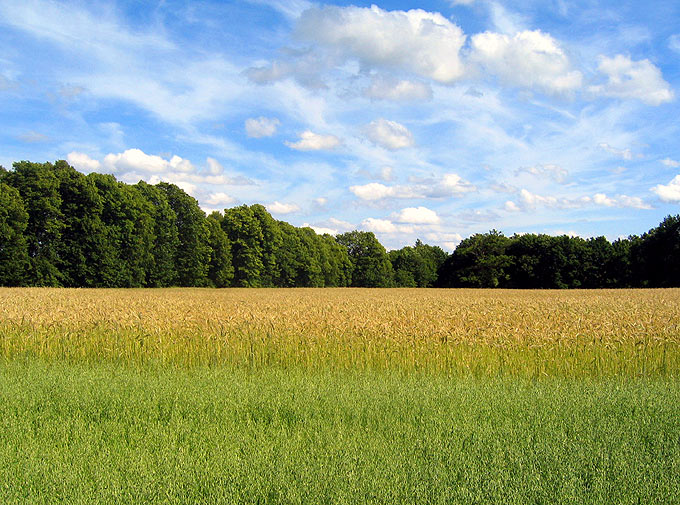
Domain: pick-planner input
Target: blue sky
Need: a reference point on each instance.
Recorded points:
(431, 120)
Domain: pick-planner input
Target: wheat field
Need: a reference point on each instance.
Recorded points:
(478, 332)
(297, 396)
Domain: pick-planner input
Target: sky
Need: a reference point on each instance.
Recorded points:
(432, 120)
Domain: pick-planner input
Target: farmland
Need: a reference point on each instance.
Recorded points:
(339, 395)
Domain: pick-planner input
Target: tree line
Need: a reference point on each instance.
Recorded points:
(59, 227)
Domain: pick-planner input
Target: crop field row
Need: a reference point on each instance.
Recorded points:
(469, 332)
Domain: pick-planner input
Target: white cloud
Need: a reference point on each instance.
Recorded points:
(511, 206)
(321, 201)
(372, 191)
(641, 80)
(531, 59)
(449, 185)
(379, 225)
(449, 240)
(282, 208)
(310, 141)
(134, 165)
(417, 215)
(136, 160)
(389, 134)
(82, 162)
(261, 127)
(632, 202)
(669, 192)
(340, 224)
(670, 163)
(219, 199)
(453, 185)
(530, 201)
(424, 43)
(398, 91)
(555, 172)
(214, 166)
(320, 230)
(626, 154)
(602, 199)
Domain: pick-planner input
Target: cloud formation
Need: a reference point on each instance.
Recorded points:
(389, 134)
(449, 185)
(669, 192)
(417, 215)
(532, 59)
(551, 171)
(530, 201)
(425, 43)
(282, 208)
(625, 154)
(134, 165)
(310, 141)
(641, 80)
(398, 90)
(261, 127)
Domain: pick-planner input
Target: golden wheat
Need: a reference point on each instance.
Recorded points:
(604, 332)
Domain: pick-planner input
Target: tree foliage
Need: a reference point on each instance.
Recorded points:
(59, 227)
(371, 267)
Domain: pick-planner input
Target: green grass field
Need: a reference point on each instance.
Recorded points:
(102, 434)
(518, 412)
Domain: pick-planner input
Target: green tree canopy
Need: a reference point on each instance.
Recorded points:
(371, 267)
(14, 259)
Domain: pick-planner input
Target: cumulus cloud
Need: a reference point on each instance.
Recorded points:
(641, 80)
(449, 240)
(219, 198)
(511, 206)
(310, 141)
(449, 185)
(379, 225)
(389, 134)
(669, 192)
(261, 127)
(530, 201)
(282, 208)
(82, 162)
(134, 165)
(398, 90)
(136, 160)
(340, 224)
(421, 42)
(373, 191)
(417, 215)
(671, 162)
(530, 59)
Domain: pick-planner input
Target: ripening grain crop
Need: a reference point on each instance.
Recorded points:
(469, 332)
